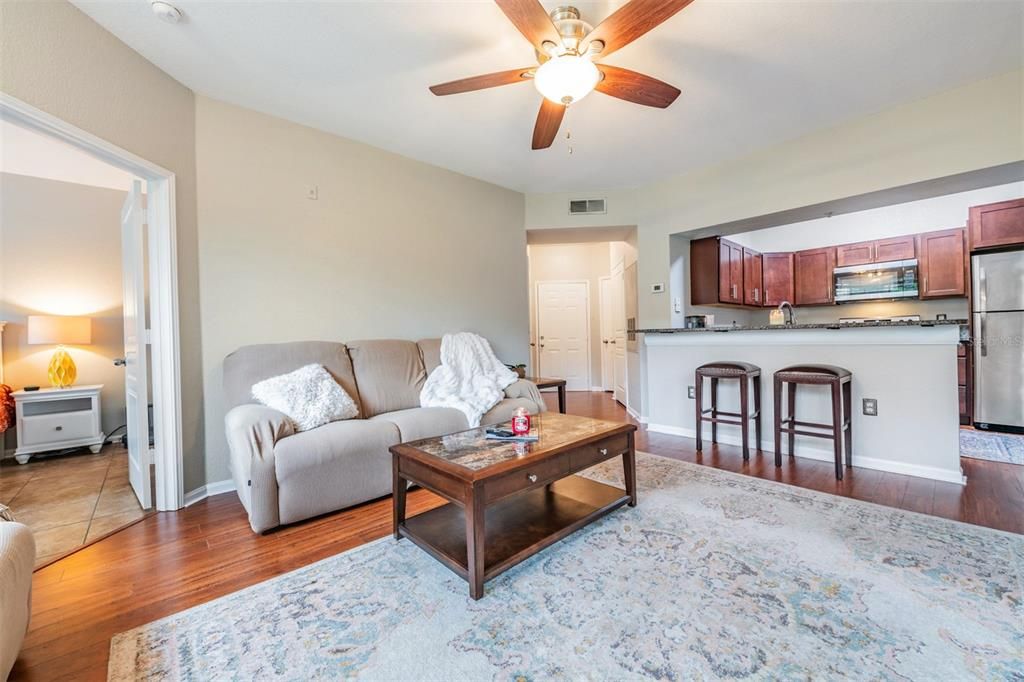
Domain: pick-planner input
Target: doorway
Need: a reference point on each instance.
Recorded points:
(145, 350)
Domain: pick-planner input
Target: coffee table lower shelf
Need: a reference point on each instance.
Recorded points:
(517, 527)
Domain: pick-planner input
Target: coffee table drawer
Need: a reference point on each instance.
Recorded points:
(523, 479)
(598, 452)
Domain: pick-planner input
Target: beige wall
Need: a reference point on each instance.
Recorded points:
(979, 125)
(57, 59)
(60, 254)
(589, 262)
(392, 247)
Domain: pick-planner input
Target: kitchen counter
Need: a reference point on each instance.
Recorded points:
(820, 325)
(910, 368)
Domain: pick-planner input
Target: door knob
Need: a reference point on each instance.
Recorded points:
(120, 362)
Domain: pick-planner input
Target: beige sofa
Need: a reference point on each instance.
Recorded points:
(282, 476)
(17, 558)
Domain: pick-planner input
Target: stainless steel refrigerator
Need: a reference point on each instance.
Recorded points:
(998, 311)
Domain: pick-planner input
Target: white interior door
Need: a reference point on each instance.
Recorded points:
(136, 376)
(618, 341)
(607, 334)
(563, 338)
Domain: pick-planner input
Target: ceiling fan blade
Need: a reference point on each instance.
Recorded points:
(532, 20)
(631, 21)
(548, 121)
(488, 80)
(635, 87)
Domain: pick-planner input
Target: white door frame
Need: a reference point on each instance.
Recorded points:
(163, 286)
(607, 364)
(536, 297)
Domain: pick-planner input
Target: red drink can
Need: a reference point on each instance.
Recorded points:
(521, 422)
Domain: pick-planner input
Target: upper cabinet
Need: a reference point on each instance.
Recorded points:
(942, 268)
(877, 251)
(812, 276)
(777, 277)
(716, 272)
(994, 225)
(753, 280)
(855, 254)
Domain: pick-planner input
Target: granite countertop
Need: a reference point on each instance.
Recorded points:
(821, 325)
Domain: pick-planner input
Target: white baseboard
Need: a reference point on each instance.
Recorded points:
(822, 455)
(635, 415)
(598, 389)
(202, 492)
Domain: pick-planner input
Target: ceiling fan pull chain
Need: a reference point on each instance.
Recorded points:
(568, 137)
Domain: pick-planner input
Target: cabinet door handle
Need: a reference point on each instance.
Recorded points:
(58, 428)
(733, 289)
(925, 289)
(757, 294)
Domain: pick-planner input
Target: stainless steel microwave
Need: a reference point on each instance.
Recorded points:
(876, 281)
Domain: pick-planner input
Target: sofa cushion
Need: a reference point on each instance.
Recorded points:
(389, 374)
(425, 422)
(430, 351)
(251, 364)
(502, 412)
(333, 466)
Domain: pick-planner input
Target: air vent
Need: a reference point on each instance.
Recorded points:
(586, 206)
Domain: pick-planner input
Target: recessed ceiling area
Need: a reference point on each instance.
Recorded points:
(752, 74)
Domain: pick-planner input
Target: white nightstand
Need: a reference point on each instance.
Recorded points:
(57, 419)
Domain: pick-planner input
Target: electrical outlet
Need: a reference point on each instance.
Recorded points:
(312, 192)
(691, 392)
(657, 288)
(870, 407)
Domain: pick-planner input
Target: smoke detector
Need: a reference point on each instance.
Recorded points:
(165, 11)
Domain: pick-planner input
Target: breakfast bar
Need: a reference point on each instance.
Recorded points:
(908, 368)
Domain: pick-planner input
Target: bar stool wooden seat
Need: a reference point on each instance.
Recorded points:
(839, 380)
(747, 374)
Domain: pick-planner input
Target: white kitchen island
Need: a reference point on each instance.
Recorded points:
(909, 368)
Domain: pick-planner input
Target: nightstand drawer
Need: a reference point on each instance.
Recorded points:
(49, 428)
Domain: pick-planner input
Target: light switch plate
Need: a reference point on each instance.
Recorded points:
(870, 407)
(691, 392)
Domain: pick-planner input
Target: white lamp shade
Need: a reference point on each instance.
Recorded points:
(566, 79)
(55, 329)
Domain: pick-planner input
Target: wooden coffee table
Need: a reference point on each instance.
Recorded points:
(509, 500)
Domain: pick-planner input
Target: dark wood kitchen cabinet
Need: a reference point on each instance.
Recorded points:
(895, 248)
(942, 268)
(877, 251)
(716, 272)
(753, 280)
(965, 381)
(860, 253)
(812, 276)
(777, 274)
(994, 225)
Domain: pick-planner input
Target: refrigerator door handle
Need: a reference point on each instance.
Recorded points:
(982, 342)
(983, 293)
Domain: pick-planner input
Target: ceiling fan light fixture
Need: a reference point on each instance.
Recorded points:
(566, 79)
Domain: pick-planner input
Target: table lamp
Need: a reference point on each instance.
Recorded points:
(60, 330)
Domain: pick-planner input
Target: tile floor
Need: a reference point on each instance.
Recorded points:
(70, 500)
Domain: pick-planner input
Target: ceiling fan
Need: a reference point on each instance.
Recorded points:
(567, 48)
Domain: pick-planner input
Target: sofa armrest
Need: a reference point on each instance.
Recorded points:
(252, 432)
(522, 388)
(17, 559)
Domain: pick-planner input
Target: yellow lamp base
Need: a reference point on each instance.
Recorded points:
(62, 370)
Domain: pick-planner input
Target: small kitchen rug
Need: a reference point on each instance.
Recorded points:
(713, 576)
(995, 447)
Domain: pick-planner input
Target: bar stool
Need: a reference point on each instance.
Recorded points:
(746, 373)
(839, 381)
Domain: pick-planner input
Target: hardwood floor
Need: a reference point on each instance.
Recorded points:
(172, 561)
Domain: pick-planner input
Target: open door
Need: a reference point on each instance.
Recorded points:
(136, 337)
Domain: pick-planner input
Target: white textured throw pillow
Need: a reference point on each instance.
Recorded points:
(309, 396)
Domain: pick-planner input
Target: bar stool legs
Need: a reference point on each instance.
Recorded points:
(747, 374)
(840, 431)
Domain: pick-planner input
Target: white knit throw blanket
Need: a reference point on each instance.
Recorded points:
(470, 378)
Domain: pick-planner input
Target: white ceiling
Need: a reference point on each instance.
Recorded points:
(753, 74)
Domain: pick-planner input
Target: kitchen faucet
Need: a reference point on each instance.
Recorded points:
(782, 309)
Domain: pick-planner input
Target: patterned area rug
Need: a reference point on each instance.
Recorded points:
(997, 447)
(714, 575)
